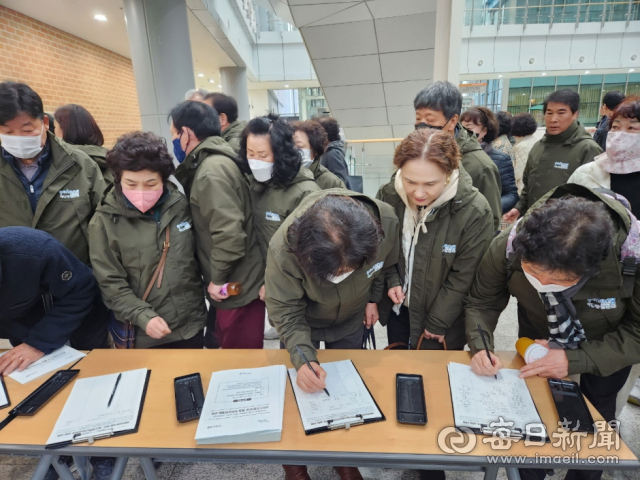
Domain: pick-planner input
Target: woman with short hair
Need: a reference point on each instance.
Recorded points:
(483, 123)
(311, 139)
(75, 125)
(143, 249)
(523, 128)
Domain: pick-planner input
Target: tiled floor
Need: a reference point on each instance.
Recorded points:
(21, 468)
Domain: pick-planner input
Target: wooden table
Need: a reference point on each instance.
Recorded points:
(385, 444)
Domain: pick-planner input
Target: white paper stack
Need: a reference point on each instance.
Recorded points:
(243, 406)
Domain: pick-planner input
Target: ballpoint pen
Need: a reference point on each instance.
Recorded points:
(486, 347)
(309, 365)
(114, 389)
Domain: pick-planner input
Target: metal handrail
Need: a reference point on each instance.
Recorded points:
(376, 140)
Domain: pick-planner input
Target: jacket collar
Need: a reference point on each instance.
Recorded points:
(572, 135)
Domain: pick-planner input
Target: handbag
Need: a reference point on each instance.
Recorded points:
(124, 333)
(368, 339)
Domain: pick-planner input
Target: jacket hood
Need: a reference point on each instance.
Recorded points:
(467, 141)
(570, 137)
(97, 153)
(336, 144)
(210, 146)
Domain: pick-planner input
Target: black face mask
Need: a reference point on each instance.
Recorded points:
(422, 125)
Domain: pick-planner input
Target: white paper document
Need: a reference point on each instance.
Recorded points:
(348, 399)
(245, 405)
(4, 397)
(480, 400)
(88, 412)
(47, 364)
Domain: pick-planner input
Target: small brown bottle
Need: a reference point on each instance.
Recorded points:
(231, 289)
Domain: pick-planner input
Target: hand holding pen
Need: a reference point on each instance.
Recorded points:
(485, 362)
(310, 377)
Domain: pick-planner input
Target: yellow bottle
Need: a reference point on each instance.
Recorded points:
(231, 289)
(530, 350)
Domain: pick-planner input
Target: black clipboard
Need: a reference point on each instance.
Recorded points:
(91, 439)
(516, 433)
(6, 393)
(343, 423)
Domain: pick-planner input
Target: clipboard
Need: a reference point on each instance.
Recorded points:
(514, 432)
(341, 422)
(90, 439)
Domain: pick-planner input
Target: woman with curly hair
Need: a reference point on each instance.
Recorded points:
(278, 181)
(311, 139)
(143, 248)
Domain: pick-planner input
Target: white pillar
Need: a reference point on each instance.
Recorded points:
(446, 63)
(234, 83)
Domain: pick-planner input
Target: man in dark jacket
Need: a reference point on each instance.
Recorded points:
(565, 146)
(609, 103)
(563, 262)
(231, 128)
(438, 106)
(45, 183)
(333, 157)
(47, 297)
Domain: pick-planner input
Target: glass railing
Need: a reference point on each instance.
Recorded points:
(525, 12)
(364, 159)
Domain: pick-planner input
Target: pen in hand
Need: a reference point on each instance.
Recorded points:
(486, 347)
(114, 389)
(309, 365)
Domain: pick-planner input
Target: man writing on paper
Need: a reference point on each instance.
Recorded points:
(571, 264)
(47, 297)
(324, 277)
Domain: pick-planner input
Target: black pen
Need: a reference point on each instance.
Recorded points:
(114, 389)
(193, 399)
(309, 365)
(486, 348)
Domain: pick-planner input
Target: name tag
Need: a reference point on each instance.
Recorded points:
(374, 269)
(602, 303)
(184, 226)
(448, 248)
(69, 194)
(561, 165)
(274, 217)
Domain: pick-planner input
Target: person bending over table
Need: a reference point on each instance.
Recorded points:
(47, 298)
(140, 216)
(324, 277)
(562, 262)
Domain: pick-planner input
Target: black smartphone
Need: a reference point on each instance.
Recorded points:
(411, 406)
(189, 397)
(571, 405)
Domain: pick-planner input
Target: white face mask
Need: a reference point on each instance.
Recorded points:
(551, 288)
(22, 147)
(339, 278)
(262, 171)
(306, 157)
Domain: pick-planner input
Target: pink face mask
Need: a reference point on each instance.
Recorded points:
(143, 200)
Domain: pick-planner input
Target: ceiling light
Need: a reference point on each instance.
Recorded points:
(201, 74)
(631, 70)
(100, 17)
(286, 86)
(499, 76)
(211, 80)
(587, 71)
(219, 86)
(544, 73)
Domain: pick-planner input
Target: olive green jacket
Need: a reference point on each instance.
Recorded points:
(609, 314)
(226, 240)
(445, 261)
(233, 134)
(305, 310)
(483, 172)
(99, 155)
(553, 160)
(273, 204)
(323, 177)
(126, 246)
(71, 192)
